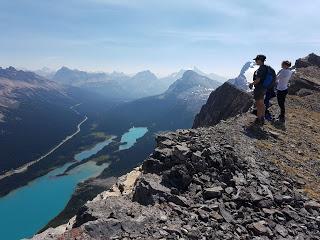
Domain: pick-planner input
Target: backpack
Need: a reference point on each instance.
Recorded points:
(270, 80)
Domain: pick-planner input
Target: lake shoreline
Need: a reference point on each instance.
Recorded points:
(39, 169)
(78, 163)
(64, 181)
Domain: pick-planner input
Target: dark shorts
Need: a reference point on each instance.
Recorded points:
(259, 93)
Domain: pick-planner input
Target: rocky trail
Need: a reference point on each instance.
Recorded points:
(234, 180)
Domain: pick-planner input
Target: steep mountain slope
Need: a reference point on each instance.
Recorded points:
(234, 180)
(31, 109)
(168, 80)
(227, 101)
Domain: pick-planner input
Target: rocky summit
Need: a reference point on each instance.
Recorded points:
(227, 101)
(233, 180)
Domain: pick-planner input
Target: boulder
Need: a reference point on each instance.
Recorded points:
(149, 190)
(305, 78)
(177, 177)
(310, 60)
(312, 205)
(260, 228)
(213, 192)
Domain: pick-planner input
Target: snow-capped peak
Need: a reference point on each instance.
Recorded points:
(245, 77)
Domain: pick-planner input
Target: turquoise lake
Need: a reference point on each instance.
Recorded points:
(26, 210)
(130, 138)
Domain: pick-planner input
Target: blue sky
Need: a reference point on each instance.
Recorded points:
(161, 35)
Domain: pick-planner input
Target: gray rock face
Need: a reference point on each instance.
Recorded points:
(305, 80)
(310, 60)
(213, 192)
(226, 101)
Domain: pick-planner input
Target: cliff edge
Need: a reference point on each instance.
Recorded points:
(225, 102)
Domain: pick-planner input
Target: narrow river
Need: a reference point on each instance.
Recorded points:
(25, 166)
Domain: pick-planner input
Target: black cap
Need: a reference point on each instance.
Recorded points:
(260, 57)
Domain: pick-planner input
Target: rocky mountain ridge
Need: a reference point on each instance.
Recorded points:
(17, 85)
(226, 101)
(233, 180)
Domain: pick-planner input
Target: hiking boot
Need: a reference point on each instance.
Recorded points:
(281, 119)
(268, 116)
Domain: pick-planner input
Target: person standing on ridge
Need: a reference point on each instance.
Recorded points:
(283, 78)
(259, 91)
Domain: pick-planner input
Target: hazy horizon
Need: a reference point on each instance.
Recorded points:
(163, 37)
(159, 75)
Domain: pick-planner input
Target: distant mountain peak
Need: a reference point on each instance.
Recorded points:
(65, 69)
(14, 74)
(189, 74)
(11, 69)
(146, 74)
(212, 76)
(191, 80)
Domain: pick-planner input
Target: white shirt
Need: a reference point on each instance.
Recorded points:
(283, 78)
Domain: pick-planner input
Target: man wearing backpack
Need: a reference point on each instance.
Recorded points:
(259, 90)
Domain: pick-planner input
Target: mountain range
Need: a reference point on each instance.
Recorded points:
(117, 85)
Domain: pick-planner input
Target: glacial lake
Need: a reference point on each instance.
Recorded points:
(130, 138)
(26, 210)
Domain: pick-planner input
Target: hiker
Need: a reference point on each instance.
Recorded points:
(259, 91)
(283, 78)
